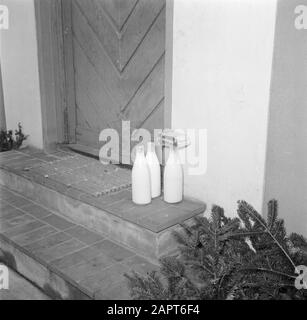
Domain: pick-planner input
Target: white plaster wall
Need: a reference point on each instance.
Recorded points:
(222, 61)
(19, 63)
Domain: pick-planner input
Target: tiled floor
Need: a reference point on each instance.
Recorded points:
(90, 259)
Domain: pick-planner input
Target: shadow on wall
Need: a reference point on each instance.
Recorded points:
(286, 163)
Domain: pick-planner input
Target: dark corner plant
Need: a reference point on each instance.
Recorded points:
(247, 257)
(9, 142)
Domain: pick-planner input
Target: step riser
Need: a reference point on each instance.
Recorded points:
(143, 241)
(50, 282)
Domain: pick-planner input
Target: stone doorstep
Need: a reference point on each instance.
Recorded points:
(146, 242)
(156, 216)
(146, 229)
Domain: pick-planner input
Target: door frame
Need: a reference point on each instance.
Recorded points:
(56, 70)
(2, 109)
(56, 98)
(69, 72)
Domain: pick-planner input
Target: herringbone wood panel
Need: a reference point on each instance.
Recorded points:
(118, 53)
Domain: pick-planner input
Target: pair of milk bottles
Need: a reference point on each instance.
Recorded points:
(146, 176)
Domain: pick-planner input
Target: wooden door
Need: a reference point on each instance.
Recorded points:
(114, 61)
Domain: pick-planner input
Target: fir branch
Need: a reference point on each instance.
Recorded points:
(215, 262)
(271, 271)
(261, 222)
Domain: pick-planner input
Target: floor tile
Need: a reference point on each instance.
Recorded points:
(36, 211)
(45, 157)
(30, 226)
(84, 235)
(104, 280)
(140, 265)
(18, 201)
(83, 270)
(38, 234)
(15, 222)
(48, 242)
(9, 212)
(58, 222)
(121, 207)
(75, 258)
(27, 164)
(5, 194)
(60, 250)
(138, 212)
(113, 250)
(16, 161)
(163, 219)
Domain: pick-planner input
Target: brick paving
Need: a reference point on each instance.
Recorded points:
(93, 261)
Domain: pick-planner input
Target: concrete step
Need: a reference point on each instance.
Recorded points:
(97, 197)
(65, 260)
(21, 289)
